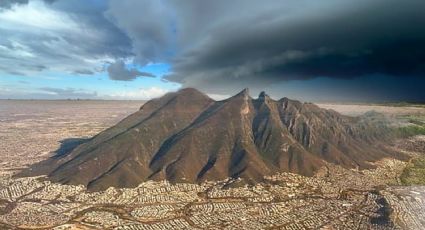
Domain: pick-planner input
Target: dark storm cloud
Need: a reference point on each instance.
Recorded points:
(118, 71)
(222, 45)
(218, 46)
(149, 25)
(375, 37)
(90, 15)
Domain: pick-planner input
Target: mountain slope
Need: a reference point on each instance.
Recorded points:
(188, 137)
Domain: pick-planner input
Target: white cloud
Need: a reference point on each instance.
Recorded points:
(39, 36)
(17, 50)
(140, 94)
(35, 15)
(218, 97)
(51, 93)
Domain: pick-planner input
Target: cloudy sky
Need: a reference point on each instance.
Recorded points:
(334, 50)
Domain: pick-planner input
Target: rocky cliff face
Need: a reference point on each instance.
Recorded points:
(188, 137)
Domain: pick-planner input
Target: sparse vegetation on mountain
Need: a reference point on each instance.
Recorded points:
(188, 137)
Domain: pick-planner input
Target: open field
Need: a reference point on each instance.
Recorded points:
(359, 109)
(408, 120)
(32, 130)
(336, 198)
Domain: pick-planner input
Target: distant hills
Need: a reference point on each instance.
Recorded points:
(188, 137)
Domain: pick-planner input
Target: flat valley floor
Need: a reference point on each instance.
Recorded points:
(335, 198)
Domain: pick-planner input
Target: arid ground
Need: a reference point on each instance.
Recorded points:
(32, 130)
(335, 198)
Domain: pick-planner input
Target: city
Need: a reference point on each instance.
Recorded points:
(335, 198)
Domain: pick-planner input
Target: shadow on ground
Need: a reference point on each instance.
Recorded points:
(67, 145)
(41, 168)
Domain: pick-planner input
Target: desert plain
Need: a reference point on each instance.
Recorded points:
(334, 198)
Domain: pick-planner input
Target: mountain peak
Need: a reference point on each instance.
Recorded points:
(189, 91)
(191, 94)
(186, 136)
(263, 96)
(244, 92)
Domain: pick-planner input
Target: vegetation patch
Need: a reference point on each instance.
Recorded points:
(410, 130)
(414, 173)
(415, 126)
(402, 104)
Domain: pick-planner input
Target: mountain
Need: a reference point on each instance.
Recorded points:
(188, 137)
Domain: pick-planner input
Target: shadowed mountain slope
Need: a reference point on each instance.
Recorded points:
(188, 137)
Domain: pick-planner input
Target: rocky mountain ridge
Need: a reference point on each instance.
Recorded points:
(188, 137)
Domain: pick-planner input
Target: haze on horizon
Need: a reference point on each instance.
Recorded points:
(336, 50)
